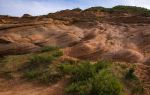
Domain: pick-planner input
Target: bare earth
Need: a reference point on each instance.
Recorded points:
(28, 88)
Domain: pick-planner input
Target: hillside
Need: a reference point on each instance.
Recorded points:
(120, 35)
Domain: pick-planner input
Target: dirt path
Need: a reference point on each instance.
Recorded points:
(27, 88)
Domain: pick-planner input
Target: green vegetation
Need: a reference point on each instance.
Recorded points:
(49, 48)
(41, 59)
(105, 83)
(43, 74)
(130, 74)
(34, 66)
(94, 79)
(40, 68)
(86, 77)
(129, 9)
(97, 9)
(77, 9)
(133, 9)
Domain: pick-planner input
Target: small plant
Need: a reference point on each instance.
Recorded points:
(32, 74)
(102, 65)
(49, 48)
(80, 88)
(130, 74)
(67, 68)
(57, 53)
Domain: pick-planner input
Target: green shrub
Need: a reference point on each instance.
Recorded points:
(83, 71)
(80, 88)
(32, 74)
(104, 83)
(67, 68)
(57, 53)
(49, 48)
(102, 65)
(130, 74)
(39, 59)
(92, 79)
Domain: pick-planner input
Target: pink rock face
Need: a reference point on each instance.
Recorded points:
(128, 55)
(81, 34)
(147, 61)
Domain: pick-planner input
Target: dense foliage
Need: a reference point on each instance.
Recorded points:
(129, 9)
(88, 79)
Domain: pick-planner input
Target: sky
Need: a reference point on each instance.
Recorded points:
(42, 7)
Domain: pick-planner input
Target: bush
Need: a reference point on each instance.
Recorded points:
(80, 88)
(102, 65)
(130, 74)
(32, 74)
(57, 53)
(40, 59)
(49, 48)
(104, 83)
(67, 68)
(88, 79)
(83, 71)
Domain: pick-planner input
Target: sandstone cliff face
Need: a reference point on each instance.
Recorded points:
(83, 35)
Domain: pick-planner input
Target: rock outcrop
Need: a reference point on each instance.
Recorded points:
(83, 34)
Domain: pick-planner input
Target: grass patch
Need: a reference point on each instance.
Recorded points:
(36, 66)
(49, 48)
(41, 59)
(41, 68)
(88, 79)
(45, 75)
